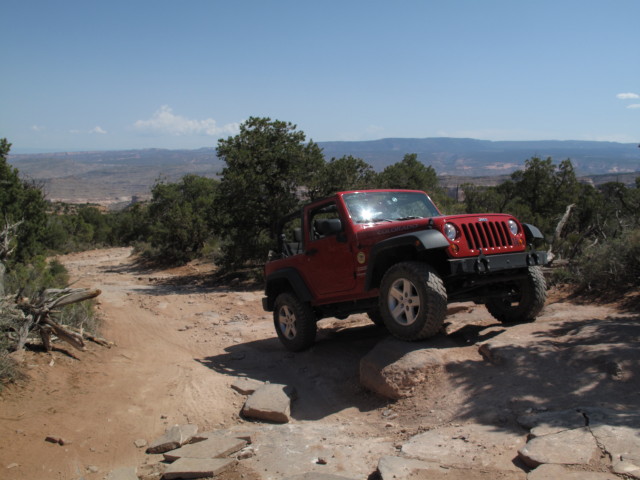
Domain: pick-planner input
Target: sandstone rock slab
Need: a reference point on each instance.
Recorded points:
(123, 473)
(173, 438)
(557, 472)
(197, 467)
(214, 447)
(246, 386)
(569, 447)
(468, 446)
(399, 468)
(626, 468)
(241, 434)
(317, 476)
(503, 353)
(270, 402)
(545, 423)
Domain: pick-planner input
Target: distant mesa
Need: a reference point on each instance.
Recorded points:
(121, 176)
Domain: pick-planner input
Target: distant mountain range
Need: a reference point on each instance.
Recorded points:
(466, 156)
(109, 177)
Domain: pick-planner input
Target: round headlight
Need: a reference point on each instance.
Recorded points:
(450, 231)
(513, 227)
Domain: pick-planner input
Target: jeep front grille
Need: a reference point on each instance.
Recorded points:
(487, 235)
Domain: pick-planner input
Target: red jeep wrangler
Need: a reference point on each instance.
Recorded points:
(393, 255)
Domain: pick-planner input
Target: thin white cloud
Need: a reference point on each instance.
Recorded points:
(627, 96)
(634, 105)
(37, 128)
(166, 122)
(97, 129)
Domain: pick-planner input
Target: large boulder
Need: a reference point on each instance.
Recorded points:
(394, 368)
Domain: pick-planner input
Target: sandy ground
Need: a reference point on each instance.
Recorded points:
(180, 342)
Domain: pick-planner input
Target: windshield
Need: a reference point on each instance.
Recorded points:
(368, 207)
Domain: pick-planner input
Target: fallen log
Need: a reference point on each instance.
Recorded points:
(36, 315)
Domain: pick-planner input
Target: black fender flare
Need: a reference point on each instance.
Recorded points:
(532, 233)
(421, 240)
(293, 278)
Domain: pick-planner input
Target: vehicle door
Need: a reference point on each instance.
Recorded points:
(329, 261)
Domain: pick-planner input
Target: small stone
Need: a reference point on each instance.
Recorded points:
(55, 439)
(13, 465)
(321, 461)
(93, 469)
(141, 442)
(247, 453)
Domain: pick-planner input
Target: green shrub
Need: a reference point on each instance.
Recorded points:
(612, 267)
(29, 279)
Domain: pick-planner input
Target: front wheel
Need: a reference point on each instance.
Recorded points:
(525, 301)
(413, 301)
(294, 321)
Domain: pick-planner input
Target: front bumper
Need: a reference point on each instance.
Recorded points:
(488, 264)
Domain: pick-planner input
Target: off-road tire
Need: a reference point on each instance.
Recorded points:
(525, 304)
(294, 321)
(413, 301)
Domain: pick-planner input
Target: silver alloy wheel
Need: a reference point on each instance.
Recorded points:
(404, 302)
(287, 322)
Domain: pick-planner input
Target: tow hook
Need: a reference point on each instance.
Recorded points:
(482, 264)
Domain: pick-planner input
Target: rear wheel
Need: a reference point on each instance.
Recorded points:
(413, 301)
(525, 301)
(294, 321)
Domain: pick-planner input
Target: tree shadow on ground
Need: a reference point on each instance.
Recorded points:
(593, 362)
(189, 280)
(325, 377)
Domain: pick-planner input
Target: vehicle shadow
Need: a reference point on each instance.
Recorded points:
(325, 377)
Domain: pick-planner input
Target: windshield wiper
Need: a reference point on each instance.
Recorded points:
(411, 217)
(381, 219)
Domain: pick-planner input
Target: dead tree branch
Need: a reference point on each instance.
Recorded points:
(7, 234)
(35, 315)
(557, 233)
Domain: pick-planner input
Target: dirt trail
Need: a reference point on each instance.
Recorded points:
(181, 342)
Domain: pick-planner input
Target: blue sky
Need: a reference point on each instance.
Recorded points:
(97, 75)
